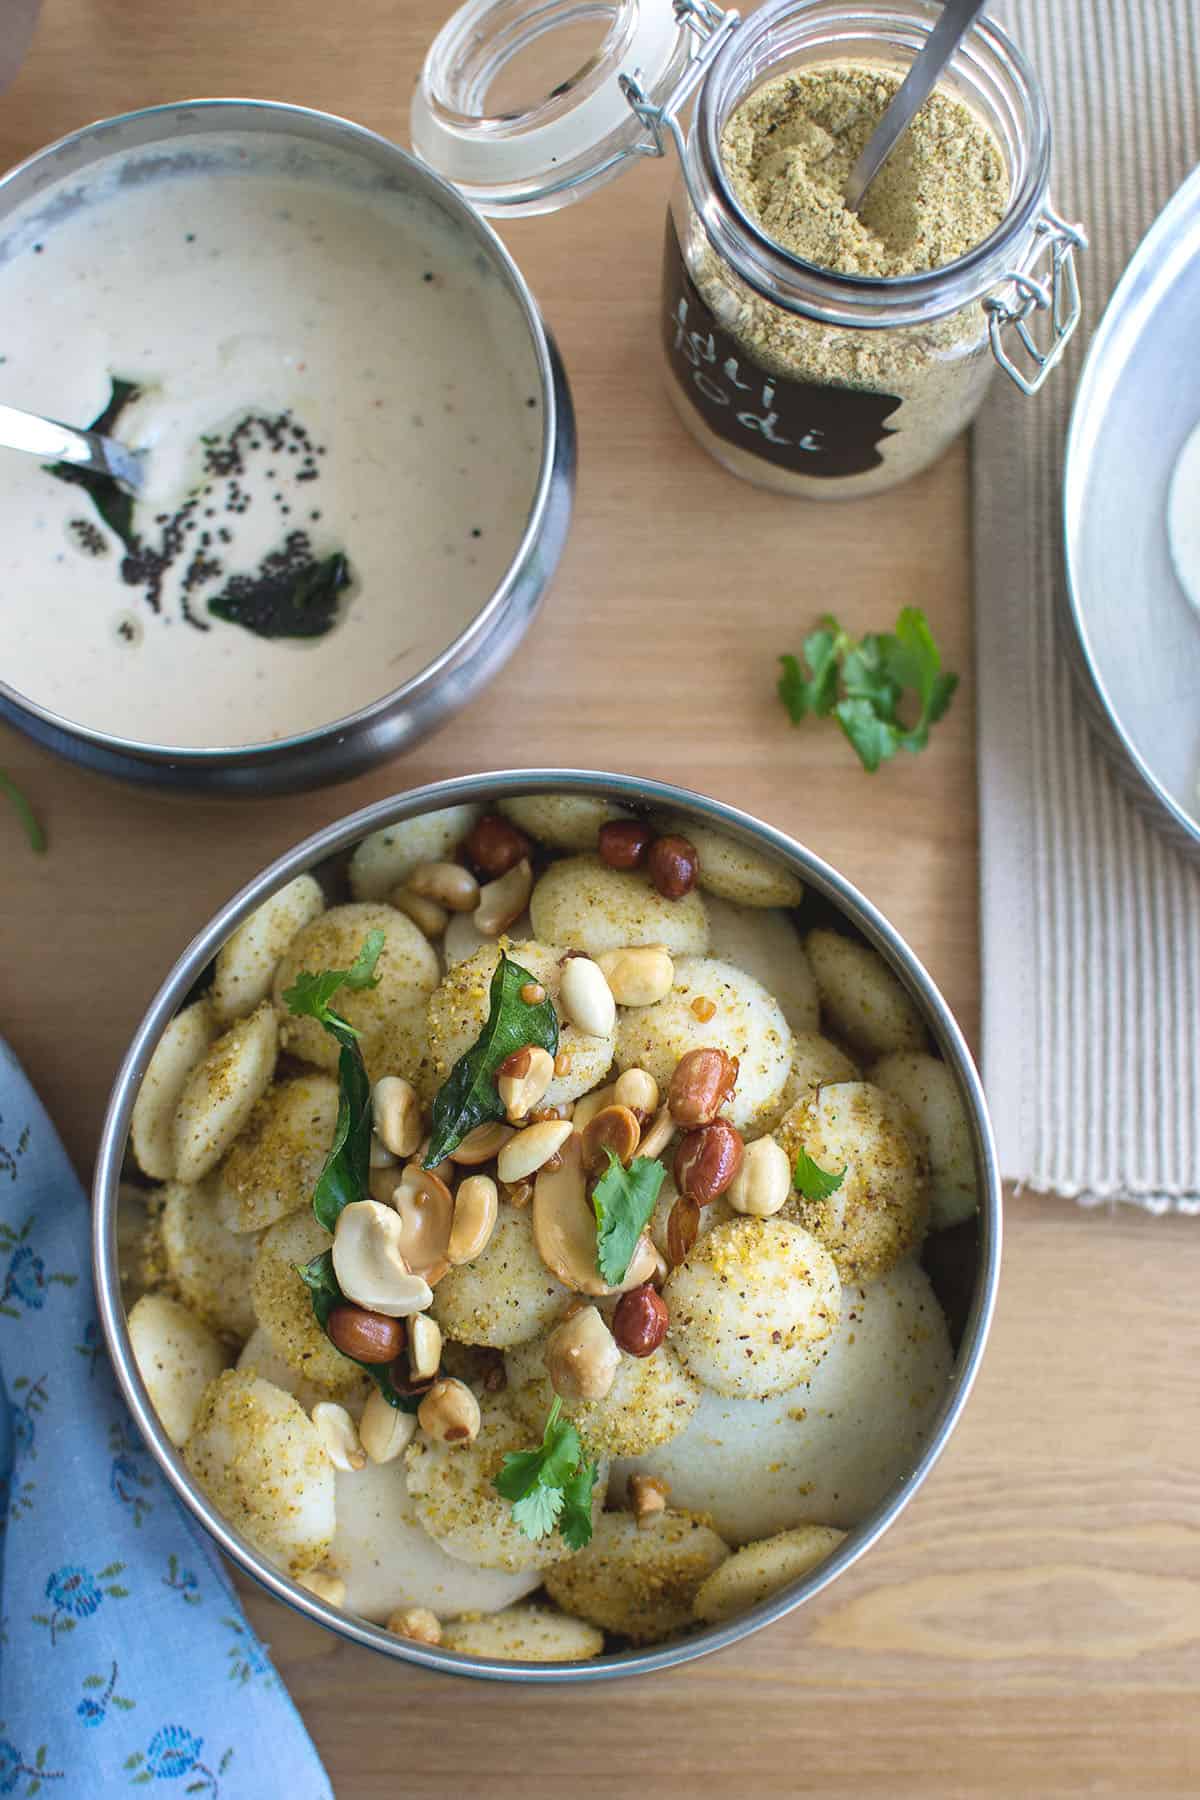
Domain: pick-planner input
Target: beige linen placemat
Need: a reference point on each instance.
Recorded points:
(1091, 920)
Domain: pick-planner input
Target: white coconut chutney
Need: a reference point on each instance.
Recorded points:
(323, 369)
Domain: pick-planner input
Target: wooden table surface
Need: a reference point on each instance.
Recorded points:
(1030, 1627)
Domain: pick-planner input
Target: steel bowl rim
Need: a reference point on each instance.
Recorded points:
(1080, 448)
(337, 837)
(335, 127)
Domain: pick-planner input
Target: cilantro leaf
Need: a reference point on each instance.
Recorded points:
(24, 812)
(537, 1511)
(575, 1520)
(551, 1485)
(623, 1200)
(814, 693)
(873, 737)
(864, 683)
(310, 995)
(561, 1450)
(325, 1293)
(468, 1096)
(814, 1182)
(519, 1475)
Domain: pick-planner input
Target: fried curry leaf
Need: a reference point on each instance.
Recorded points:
(623, 1200)
(347, 1166)
(322, 1284)
(113, 502)
(281, 601)
(468, 1097)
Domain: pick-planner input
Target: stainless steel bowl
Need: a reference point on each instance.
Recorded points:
(1130, 631)
(344, 747)
(966, 1273)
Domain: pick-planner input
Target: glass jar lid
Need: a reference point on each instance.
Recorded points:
(521, 105)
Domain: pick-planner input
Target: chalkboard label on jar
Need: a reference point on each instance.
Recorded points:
(803, 426)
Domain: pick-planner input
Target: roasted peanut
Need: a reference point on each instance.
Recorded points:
(640, 1322)
(587, 999)
(763, 1183)
(590, 1105)
(522, 1080)
(707, 1160)
(450, 1412)
(480, 1145)
(640, 976)
(581, 1356)
(369, 1337)
(417, 1623)
(673, 866)
(701, 1085)
(384, 1431)
(647, 1499)
(429, 918)
(494, 845)
(659, 1133)
(502, 902)
(533, 993)
(638, 1090)
(525, 1153)
(683, 1228)
(396, 1112)
(424, 1346)
(380, 1156)
(476, 1205)
(613, 1128)
(447, 884)
(327, 1587)
(623, 843)
(339, 1435)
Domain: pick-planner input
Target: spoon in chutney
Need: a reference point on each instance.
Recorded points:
(57, 443)
(957, 17)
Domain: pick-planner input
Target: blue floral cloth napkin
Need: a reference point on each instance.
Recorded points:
(125, 1660)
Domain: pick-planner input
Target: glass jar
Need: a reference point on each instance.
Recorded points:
(811, 382)
(798, 378)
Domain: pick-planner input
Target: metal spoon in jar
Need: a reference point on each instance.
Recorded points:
(956, 20)
(64, 443)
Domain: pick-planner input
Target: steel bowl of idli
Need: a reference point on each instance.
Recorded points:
(780, 1421)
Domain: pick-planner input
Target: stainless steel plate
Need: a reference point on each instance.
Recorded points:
(1136, 635)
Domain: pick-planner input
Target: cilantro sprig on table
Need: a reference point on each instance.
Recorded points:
(863, 683)
(551, 1486)
(23, 808)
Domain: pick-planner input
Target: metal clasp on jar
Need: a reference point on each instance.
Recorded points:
(1058, 295)
(710, 26)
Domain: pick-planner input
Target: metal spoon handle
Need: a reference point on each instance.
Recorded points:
(956, 19)
(62, 443)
